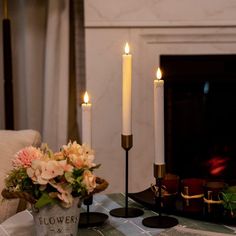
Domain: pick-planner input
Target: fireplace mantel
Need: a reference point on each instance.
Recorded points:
(159, 13)
(208, 29)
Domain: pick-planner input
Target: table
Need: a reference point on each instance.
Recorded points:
(21, 224)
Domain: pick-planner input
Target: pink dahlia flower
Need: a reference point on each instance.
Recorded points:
(25, 156)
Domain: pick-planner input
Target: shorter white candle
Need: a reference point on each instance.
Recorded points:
(86, 121)
(159, 119)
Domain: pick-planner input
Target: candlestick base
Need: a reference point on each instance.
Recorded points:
(160, 222)
(126, 213)
(92, 219)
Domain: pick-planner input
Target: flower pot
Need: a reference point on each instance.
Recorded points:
(53, 220)
(213, 205)
(192, 195)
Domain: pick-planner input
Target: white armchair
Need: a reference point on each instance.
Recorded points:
(10, 143)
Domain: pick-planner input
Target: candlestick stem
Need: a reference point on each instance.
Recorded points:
(158, 198)
(126, 181)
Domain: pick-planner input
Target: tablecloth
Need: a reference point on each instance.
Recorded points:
(21, 224)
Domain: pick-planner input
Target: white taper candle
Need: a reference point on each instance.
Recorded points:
(127, 93)
(86, 121)
(159, 119)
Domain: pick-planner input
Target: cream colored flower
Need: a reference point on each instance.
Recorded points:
(79, 156)
(87, 156)
(89, 180)
(64, 194)
(59, 156)
(35, 172)
(51, 169)
(43, 171)
(66, 167)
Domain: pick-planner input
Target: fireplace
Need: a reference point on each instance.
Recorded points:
(200, 140)
(200, 115)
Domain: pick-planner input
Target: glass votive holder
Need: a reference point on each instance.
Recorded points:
(192, 193)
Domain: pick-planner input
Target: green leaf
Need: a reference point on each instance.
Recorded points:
(44, 200)
(78, 172)
(79, 179)
(229, 201)
(69, 177)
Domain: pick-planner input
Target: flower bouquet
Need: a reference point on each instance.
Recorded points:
(45, 179)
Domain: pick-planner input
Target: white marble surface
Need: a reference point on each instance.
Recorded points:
(104, 49)
(159, 12)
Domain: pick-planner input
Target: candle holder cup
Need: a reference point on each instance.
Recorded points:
(126, 212)
(159, 221)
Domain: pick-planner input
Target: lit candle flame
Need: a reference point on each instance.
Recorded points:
(158, 74)
(86, 97)
(126, 48)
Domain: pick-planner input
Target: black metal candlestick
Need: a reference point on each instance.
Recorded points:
(126, 212)
(159, 221)
(7, 68)
(91, 219)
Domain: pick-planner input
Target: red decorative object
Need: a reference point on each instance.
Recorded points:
(171, 185)
(192, 193)
(213, 205)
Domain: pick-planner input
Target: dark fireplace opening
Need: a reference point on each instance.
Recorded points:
(200, 115)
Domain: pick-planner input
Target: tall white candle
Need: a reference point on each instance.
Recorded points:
(86, 121)
(159, 119)
(126, 92)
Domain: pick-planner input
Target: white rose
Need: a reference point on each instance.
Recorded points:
(89, 180)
